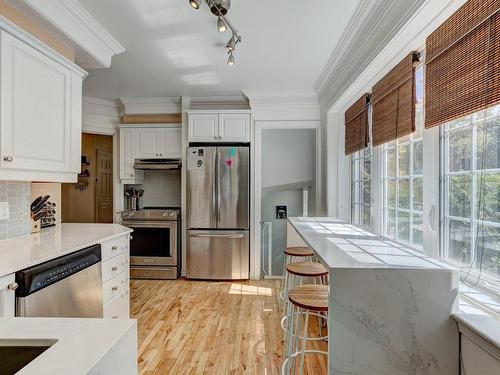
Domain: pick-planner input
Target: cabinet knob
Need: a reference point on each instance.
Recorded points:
(215, 137)
(9, 159)
(114, 289)
(115, 316)
(13, 286)
(114, 268)
(115, 247)
(131, 175)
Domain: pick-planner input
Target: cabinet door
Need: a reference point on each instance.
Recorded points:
(127, 156)
(203, 127)
(7, 296)
(234, 127)
(171, 143)
(35, 122)
(147, 143)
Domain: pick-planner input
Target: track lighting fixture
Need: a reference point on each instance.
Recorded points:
(220, 8)
(231, 45)
(221, 25)
(230, 60)
(195, 3)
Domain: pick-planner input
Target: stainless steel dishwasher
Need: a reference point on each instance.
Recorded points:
(69, 286)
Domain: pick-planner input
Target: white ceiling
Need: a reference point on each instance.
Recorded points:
(173, 50)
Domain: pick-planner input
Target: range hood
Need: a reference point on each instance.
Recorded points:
(156, 164)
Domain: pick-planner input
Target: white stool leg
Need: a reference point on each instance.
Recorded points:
(304, 340)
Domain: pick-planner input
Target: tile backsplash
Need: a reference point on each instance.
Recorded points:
(162, 188)
(18, 195)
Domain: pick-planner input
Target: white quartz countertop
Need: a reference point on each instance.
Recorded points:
(342, 245)
(26, 251)
(77, 344)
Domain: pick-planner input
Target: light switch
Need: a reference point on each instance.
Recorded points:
(4, 210)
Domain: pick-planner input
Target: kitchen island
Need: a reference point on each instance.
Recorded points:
(390, 306)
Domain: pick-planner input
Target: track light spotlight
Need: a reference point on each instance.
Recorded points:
(230, 60)
(195, 3)
(231, 45)
(221, 25)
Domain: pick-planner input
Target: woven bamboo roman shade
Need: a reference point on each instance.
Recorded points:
(393, 99)
(463, 63)
(356, 126)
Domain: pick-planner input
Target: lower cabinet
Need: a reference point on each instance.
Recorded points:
(116, 277)
(7, 296)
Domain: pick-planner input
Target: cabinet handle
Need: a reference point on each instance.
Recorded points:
(9, 159)
(114, 248)
(115, 316)
(13, 286)
(114, 268)
(220, 137)
(215, 137)
(131, 175)
(131, 237)
(114, 289)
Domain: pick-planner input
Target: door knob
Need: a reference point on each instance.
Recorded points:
(9, 159)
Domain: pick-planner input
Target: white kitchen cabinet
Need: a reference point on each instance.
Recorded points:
(41, 113)
(127, 156)
(7, 296)
(218, 127)
(203, 127)
(171, 143)
(148, 142)
(116, 277)
(234, 127)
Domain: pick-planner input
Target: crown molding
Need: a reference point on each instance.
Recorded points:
(77, 24)
(219, 103)
(149, 106)
(41, 47)
(278, 106)
(99, 116)
(364, 38)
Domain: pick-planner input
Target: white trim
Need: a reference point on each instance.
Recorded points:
(219, 103)
(99, 116)
(76, 23)
(150, 106)
(255, 260)
(41, 47)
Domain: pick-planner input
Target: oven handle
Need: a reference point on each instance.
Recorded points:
(150, 224)
(232, 236)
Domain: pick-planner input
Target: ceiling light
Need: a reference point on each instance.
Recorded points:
(230, 60)
(195, 3)
(221, 25)
(231, 45)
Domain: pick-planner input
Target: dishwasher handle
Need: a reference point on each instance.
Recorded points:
(231, 236)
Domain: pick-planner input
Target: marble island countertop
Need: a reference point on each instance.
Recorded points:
(26, 251)
(77, 346)
(341, 245)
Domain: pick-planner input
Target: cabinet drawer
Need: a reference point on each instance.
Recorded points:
(118, 307)
(114, 267)
(115, 286)
(114, 247)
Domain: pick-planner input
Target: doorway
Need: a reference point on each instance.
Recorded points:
(288, 189)
(90, 199)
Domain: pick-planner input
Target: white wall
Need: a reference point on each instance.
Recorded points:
(288, 156)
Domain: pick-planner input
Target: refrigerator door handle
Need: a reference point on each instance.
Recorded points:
(218, 187)
(215, 208)
(231, 236)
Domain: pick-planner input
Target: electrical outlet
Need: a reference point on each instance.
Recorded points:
(4, 210)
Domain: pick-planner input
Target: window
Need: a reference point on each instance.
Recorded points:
(471, 197)
(403, 179)
(361, 165)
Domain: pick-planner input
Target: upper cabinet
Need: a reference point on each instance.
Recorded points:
(218, 127)
(40, 113)
(147, 141)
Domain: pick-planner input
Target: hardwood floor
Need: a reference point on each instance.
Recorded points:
(197, 327)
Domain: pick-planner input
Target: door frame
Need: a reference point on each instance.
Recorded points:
(255, 258)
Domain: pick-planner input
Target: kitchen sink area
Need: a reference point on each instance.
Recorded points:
(16, 354)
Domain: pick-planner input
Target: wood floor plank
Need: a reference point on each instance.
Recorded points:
(198, 327)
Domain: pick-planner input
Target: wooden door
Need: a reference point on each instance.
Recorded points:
(104, 187)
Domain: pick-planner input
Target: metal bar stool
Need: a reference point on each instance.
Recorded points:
(295, 273)
(305, 300)
(294, 254)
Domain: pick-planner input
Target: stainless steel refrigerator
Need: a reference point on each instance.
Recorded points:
(218, 213)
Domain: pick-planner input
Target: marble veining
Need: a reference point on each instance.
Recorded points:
(390, 306)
